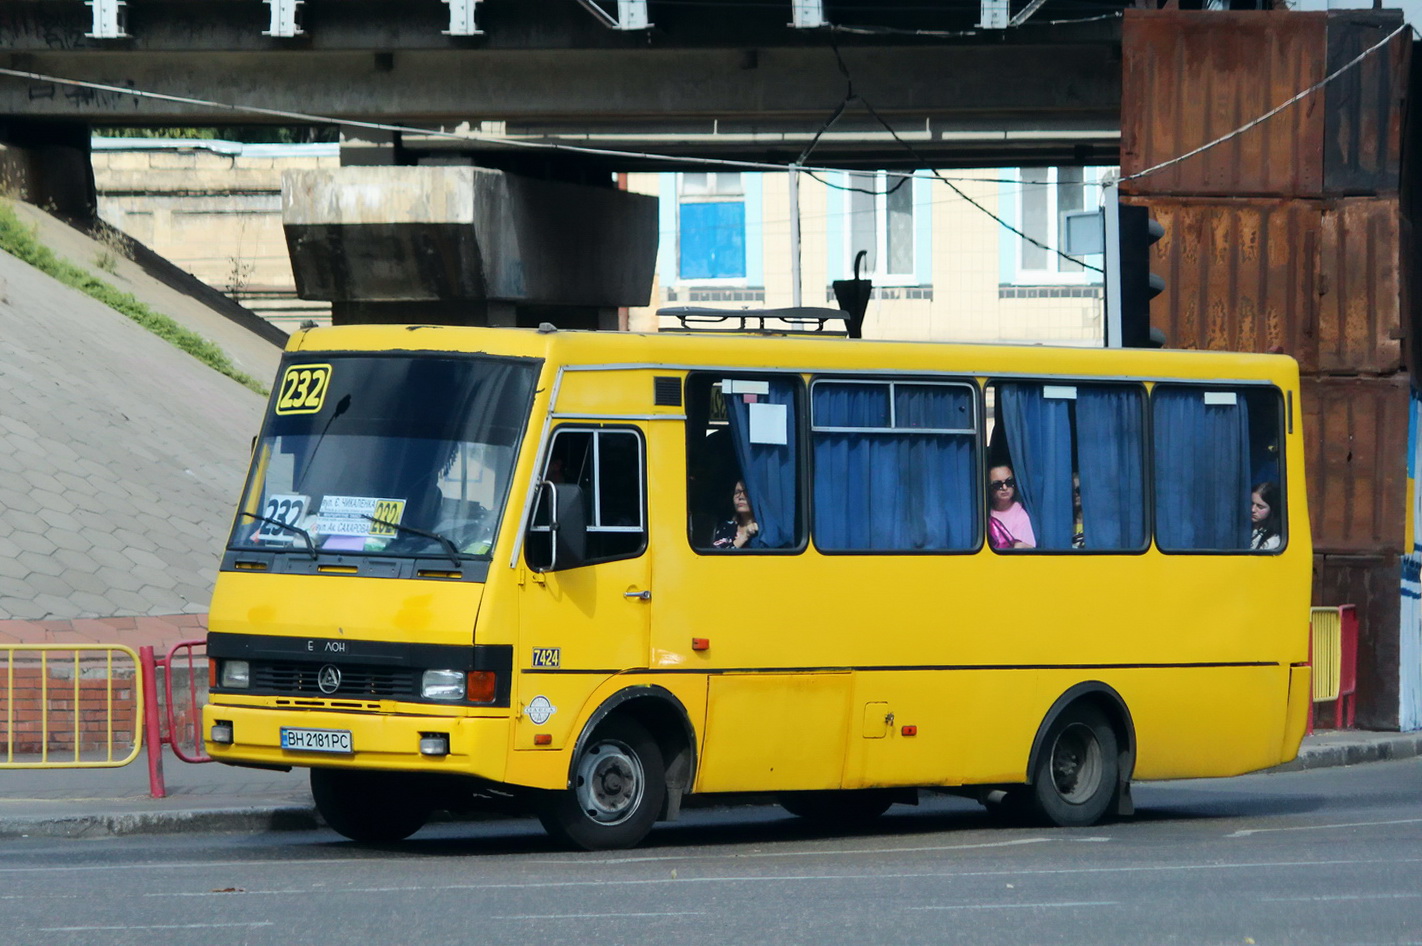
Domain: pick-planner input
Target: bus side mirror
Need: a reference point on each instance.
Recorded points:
(557, 538)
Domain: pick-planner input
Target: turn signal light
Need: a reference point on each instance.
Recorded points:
(542, 739)
(909, 731)
(701, 643)
(483, 686)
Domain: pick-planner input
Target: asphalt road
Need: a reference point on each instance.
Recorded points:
(1329, 856)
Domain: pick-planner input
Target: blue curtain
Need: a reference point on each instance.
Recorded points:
(1201, 471)
(1110, 431)
(768, 470)
(891, 488)
(1039, 437)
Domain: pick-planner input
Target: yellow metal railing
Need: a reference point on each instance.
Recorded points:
(1327, 653)
(50, 700)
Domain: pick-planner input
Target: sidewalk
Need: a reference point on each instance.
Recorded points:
(89, 803)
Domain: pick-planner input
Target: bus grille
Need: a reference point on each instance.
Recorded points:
(356, 681)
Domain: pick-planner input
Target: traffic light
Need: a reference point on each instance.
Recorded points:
(1136, 232)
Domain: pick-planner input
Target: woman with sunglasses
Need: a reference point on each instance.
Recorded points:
(1009, 526)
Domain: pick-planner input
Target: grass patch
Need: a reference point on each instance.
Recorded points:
(21, 242)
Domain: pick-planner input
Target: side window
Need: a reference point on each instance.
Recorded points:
(599, 479)
(895, 466)
(1218, 469)
(743, 462)
(1066, 466)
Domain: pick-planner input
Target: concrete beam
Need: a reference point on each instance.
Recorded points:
(171, 26)
(931, 95)
(447, 234)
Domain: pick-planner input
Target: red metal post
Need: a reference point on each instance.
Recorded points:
(199, 754)
(1348, 668)
(152, 732)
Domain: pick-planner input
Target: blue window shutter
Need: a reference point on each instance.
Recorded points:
(666, 226)
(713, 240)
(923, 231)
(1006, 239)
(755, 228)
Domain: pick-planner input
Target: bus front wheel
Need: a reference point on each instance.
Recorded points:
(1076, 774)
(616, 790)
(372, 807)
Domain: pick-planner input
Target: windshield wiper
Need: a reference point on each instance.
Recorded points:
(306, 536)
(449, 547)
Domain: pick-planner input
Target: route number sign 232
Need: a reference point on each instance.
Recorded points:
(303, 389)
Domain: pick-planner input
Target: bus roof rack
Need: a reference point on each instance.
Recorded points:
(798, 320)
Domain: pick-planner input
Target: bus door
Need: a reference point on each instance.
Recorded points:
(585, 602)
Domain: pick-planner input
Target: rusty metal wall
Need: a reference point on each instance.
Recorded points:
(1355, 437)
(1371, 583)
(1322, 281)
(1362, 291)
(1189, 77)
(1365, 107)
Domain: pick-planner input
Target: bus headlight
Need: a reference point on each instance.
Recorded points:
(442, 685)
(236, 674)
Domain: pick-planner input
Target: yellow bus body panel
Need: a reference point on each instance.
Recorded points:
(335, 607)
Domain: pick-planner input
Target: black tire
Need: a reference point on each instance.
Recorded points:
(371, 807)
(1075, 776)
(616, 790)
(838, 807)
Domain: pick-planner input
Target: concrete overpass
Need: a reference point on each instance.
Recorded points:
(993, 83)
(724, 79)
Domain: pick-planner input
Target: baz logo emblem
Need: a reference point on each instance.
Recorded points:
(547, 658)
(303, 389)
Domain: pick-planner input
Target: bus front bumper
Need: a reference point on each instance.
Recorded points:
(327, 739)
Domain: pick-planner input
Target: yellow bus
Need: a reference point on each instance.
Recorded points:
(590, 574)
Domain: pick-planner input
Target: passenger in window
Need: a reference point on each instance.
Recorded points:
(1264, 514)
(1009, 526)
(735, 532)
(1078, 530)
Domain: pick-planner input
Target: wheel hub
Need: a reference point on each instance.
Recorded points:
(610, 783)
(1076, 763)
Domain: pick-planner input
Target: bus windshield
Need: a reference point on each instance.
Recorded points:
(394, 455)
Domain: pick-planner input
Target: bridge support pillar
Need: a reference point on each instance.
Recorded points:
(47, 164)
(467, 246)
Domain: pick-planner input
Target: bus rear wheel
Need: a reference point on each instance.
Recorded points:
(372, 807)
(838, 807)
(616, 791)
(1075, 776)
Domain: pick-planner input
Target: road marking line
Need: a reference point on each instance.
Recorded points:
(801, 878)
(180, 926)
(586, 916)
(1023, 906)
(1246, 832)
(872, 850)
(1331, 897)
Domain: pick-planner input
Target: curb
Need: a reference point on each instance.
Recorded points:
(213, 820)
(1401, 746)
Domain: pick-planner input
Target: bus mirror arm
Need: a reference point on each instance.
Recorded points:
(567, 540)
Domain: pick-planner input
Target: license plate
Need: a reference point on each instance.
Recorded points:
(316, 740)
